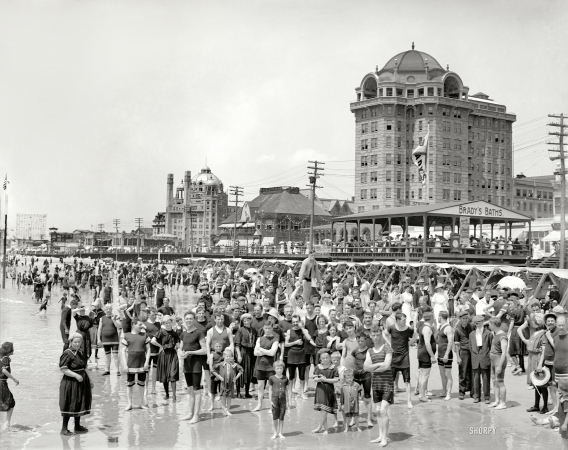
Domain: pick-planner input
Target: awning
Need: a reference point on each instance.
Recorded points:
(225, 243)
(268, 241)
(249, 225)
(230, 225)
(554, 236)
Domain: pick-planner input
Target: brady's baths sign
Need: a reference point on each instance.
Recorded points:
(466, 210)
(481, 209)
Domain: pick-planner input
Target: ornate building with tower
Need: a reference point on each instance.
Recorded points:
(196, 208)
(469, 146)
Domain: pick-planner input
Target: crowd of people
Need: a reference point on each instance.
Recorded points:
(254, 330)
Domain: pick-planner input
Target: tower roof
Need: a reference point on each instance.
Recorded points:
(207, 177)
(412, 61)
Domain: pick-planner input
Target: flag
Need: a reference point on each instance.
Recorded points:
(6, 182)
(419, 156)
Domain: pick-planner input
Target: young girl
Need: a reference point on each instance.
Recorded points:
(336, 361)
(7, 401)
(349, 401)
(326, 375)
(333, 340)
(278, 392)
(167, 340)
(215, 359)
(227, 372)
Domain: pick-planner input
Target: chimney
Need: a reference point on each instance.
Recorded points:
(186, 186)
(170, 195)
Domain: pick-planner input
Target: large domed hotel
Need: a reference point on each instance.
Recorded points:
(469, 145)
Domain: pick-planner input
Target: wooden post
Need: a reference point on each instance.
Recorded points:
(487, 280)
(425, 237)
(457, 296)
(539, 285)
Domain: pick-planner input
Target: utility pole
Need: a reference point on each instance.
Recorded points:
(101, 226)
(236, 191)
(562, 157)
(116, 223)
(139, 222)
(313, 179)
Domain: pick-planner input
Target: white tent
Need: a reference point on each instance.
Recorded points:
(554, 236)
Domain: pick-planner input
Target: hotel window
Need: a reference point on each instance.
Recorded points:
(439, 92)
(431, 192)
(398, 125)
(503, 170)
(457, 195)
(389, 125)
(364, 128)
(420, 194)
(446, 160)
(489, 198)
(410, 93)
(398, 176)
(430, 94)
(363, 194)
(399, 92)
(446, 177)
(412, 194)
(380, 92)
(398, 142)
(519, 205)
(363, 178)
(373, 160)
(488, 167)
(373, 112)
(373, 142)
(364, 144)
(489, 136)
(389, 158)
(421, 92)
(397, 192)
(373, 177)
(399, 159)
(373, 193)
(419, 125)
(489, 184)
(388, 193)
(457, 178)
(374, 126)
(389, 110)
(430, 175)
(389, 92)
(508, 202)
(502, 153)
(445, 194)
(360, 209)
(457, 114)
(364, 114)
(389, 141)
(431, 110)
(388, 175)
(363, 161)
(376, 207)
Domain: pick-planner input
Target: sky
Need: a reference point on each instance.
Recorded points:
(100, 100)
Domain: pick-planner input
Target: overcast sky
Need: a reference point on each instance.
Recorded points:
(99, 100)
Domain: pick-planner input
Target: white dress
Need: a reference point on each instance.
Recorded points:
(440, 303)
(406, 298)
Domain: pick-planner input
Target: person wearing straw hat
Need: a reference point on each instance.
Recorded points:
(547, 357)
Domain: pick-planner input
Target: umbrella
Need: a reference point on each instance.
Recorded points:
(512, 283)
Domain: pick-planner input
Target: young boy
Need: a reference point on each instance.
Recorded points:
(227, 373)
(216, 359)
(278, 393)
(498, 355)
(44, 303)
(349, 401)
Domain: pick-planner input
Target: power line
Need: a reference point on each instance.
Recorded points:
(236, 191)
(313, 180)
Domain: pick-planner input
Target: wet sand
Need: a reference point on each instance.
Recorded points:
(37, 422)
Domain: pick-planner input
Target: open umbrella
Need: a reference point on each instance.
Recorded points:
(512, 283)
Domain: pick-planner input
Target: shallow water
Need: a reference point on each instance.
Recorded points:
(36, 419)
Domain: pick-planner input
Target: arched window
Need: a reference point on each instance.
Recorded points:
(451, 87)
(370, 88)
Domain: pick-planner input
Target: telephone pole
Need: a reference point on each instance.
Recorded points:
(100, 227)
(116, 223)
(139, 221)
(313, 179)
(236, 191)
(562, 157)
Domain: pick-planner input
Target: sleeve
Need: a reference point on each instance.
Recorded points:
(65, 360)
(270, 383)
(317, 371)
(239, 368)
(159, 335)
(238, 338)
(5, 363)
(335, 373)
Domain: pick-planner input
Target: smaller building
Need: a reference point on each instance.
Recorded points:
(159, 223)
(534, 196)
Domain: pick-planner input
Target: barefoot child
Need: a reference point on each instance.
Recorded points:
(336, 361)
(138, 346)
(349, 400)
(227, 373)
(326, 375)
(362, 377)
(278, 393)
(44, 303)
(498, 355)
(215, 359)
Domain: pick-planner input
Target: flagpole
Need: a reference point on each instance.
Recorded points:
(5, 232)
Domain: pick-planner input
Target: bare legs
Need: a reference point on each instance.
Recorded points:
(383, 423)
(260, 392)
(447, 381)
(423, 384)
(322, 428)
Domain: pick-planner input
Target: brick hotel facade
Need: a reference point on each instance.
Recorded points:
(470, 140)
